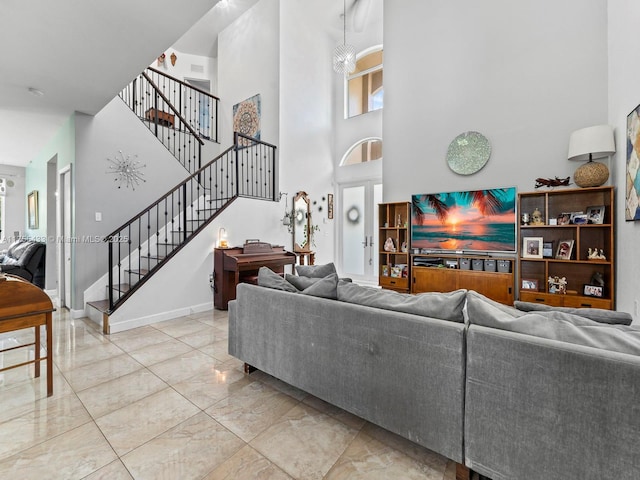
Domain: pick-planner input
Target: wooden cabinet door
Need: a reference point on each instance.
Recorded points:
(496, 286)
(432, 279)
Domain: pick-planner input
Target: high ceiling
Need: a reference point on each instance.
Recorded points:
(80, 54)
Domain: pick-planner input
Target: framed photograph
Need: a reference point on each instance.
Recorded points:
(563, 218)
(330, 206)
(573, 216)
(596, 214)
(581, 219)
(593, 291)
(529, 284)
(547, 249)
(565, 249)
(32, 209)
(532, 247)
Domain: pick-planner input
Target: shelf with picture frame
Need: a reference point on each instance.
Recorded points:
(568, 259)
(393, 246)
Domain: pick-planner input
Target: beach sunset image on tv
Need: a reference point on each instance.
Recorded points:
(474, 220)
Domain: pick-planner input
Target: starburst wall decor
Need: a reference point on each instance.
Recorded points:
(126, 169)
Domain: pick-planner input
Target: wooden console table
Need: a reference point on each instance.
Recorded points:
(23, 305)
(164, 118)
(305, 258)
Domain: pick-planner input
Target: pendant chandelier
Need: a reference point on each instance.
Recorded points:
(344, 56)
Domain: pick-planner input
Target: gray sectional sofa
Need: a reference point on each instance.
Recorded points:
(509, 394)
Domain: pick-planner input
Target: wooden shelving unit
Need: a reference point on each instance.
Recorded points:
(395, 266)
(578, 269)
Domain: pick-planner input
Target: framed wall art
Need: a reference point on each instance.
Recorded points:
(632, 177)
(32, 209)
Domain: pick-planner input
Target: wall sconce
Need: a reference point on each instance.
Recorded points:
(587, 144)
(222, 238)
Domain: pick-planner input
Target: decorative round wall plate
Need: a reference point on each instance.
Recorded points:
(468, 153)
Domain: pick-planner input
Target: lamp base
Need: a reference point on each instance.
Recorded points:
(591, 174)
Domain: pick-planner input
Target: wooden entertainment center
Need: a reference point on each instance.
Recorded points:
(585, 272)
(452, 272)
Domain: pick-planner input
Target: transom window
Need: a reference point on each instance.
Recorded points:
(365, 91)
(363, 151)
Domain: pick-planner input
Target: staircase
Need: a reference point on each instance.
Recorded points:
(141, 246)
(182, 117)
(179, 115)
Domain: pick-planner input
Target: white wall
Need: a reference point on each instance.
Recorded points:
(189, 66)
(249, 63)
(525, 74)
(624, 96)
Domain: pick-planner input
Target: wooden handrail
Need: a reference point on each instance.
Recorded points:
(174, 109)
(199, 90)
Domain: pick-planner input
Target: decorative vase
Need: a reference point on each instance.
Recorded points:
(591, 174)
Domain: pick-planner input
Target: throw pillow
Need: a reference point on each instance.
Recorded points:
(300, 282)
(596, 314)
(325, 287)
(270, 279)
(445, 306)
(316, 271)
(554, 325)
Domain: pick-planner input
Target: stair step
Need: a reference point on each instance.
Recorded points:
(122, 287)
(153, 257)
(142, 272)
(100, 305)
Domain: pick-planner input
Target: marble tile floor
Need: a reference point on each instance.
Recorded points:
(167, 401)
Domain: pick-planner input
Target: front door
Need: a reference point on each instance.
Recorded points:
(358, 226)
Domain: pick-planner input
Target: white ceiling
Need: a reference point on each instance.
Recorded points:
(80, 54)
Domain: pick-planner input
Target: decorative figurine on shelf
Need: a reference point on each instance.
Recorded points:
(557, 284)
(526, 219)
(595, 255)
(403, 248)
(552, 182)
(536, 218)
(389, 246)
(399, 222)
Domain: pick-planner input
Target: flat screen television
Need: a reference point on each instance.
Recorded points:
(467, 221)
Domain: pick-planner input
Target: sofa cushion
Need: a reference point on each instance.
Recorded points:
(596, 314)
(316, 271)
(325, 287)
(270, 279)
(553, 325)
(301, 282)
(445, 306)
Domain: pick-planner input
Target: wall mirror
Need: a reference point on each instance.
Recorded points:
(301, 222)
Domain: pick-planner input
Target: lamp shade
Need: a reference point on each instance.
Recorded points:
(591, 142)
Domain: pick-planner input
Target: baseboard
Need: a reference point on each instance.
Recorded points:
(203, 307)
(77, 313)
(116, 326)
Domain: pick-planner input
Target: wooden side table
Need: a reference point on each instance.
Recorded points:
(23, 305)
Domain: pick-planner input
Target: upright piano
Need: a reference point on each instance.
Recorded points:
(241, 264)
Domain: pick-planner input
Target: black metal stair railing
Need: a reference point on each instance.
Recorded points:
(179, 115)
(146, 242)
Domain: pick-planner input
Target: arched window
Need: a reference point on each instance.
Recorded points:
(365, 91)
(365, 150)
